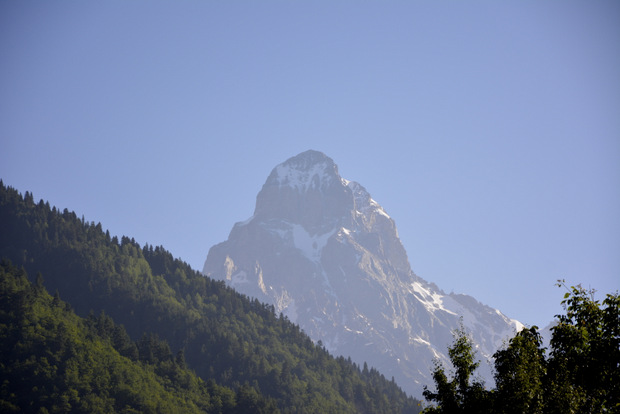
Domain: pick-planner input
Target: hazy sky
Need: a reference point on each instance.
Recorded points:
(488, 130)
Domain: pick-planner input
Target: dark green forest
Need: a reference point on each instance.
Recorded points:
(132, 329)
(580, 374)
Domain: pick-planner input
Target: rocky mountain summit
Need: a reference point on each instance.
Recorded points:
(328, 256)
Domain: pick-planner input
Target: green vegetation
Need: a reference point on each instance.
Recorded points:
(54, 361)
(260, 361)
(581, 374)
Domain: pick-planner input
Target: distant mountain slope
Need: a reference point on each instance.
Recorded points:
(324, 253)
(225, 336)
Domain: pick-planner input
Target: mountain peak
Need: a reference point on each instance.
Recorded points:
(326, 255)
(305, 189)
(309, 170)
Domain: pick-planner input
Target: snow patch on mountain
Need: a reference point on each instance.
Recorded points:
(431, 300)
(302, 180)
(313, 170)
(310, 246)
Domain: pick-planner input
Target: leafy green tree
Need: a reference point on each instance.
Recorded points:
(584, 367)
(519, 374)
(462, 394)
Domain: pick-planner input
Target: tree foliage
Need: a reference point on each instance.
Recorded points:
(463, 393)
(580, 375)
(584, 364)
(519, 373)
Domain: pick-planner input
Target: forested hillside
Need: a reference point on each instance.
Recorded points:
(223, 336)
(54, 361)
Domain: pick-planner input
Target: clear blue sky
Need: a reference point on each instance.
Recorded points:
(489, 130)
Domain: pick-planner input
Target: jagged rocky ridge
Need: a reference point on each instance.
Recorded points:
(328, 256)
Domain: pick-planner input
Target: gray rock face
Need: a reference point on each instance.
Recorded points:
(328, 256)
